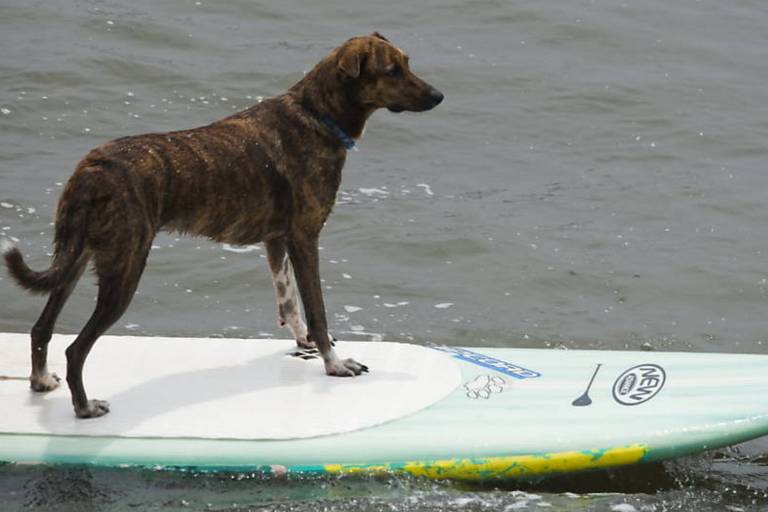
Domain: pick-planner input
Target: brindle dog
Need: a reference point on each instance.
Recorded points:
(269, 173)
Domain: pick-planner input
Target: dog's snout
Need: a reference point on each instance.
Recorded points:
(437, 96)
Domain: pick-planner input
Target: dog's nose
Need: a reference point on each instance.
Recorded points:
(437, 96)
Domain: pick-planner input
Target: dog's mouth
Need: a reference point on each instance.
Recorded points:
(433, 99)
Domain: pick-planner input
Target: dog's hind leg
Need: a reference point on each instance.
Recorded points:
(40, 379)
(117, 283)
(288, 304)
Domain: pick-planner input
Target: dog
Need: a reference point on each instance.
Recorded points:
(267, 174)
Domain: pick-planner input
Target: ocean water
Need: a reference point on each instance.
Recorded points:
(595, 178)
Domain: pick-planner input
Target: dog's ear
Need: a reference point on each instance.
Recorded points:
(350, 62)
(379, 36)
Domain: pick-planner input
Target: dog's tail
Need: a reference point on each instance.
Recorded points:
(68, 251)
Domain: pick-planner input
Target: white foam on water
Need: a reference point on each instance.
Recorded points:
(5, 245)
(427, 189)
(359, 330)
(239, 249)
(397, 305)
(374, 192)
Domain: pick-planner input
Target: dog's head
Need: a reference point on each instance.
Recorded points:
(378, 75)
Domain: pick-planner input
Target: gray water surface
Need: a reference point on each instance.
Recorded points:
(595, 178)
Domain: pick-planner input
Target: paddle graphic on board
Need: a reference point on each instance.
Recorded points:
(584, 399)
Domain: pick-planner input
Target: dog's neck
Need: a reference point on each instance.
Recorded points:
(323, 94)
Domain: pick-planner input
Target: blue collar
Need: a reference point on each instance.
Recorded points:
(337, 131)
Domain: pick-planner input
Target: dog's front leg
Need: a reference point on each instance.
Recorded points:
(284, 281)
(303, 253)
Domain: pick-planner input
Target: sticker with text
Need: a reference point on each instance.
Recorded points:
(639, 384)
(491, 363)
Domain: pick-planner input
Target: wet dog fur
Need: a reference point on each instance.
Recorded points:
(268, 174)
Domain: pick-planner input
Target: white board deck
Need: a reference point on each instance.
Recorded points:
(223, 389)
(441, 412)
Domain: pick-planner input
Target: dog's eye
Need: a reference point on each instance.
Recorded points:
(392, 70)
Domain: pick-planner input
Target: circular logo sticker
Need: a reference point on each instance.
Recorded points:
(639, 384)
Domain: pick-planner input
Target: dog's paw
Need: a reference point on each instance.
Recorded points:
(94, 409)
(44, 383)
(344, 368)
(305, 342)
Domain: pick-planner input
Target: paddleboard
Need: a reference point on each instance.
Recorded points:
(436, 411)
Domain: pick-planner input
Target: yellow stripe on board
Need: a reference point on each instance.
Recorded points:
(514, 466)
